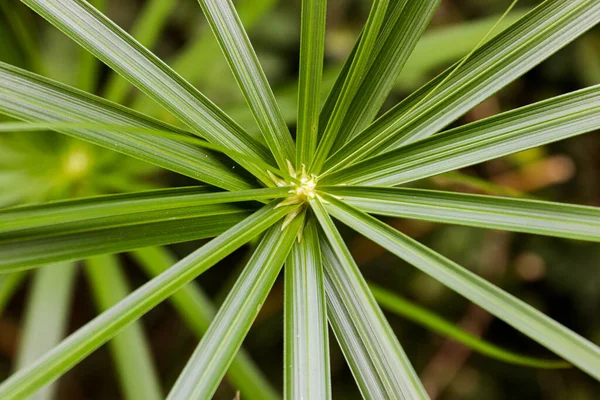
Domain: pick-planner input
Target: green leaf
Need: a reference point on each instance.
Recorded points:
(72, 229)
(521, 215)
(422, 316)
(200, 60)
(526, 127)
(197, 311)
(30, 253)
(46, 317)
(442, 45)
(353, 79)
(122, 209)
(147, 26)
(129, 349)
(234, 42)
(9, 283)
(205, 369)
(398, 37)
(101, 37)
(519, 48)
(104, 327)
(521, 316)
(29, 97)
(312, 50)
(306, 351)
(376, 359)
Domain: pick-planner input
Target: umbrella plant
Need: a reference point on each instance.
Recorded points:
(343, 165)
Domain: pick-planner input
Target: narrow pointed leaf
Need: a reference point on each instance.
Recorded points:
(306, 343)
(356, 74)
(523, 317)
(197, 311)
(373, 352)
(207, 366)
(30, 97)
(230, 33)
(46, 317)
(146, 29)
(104, 327)
(542, 32)
(73, 229)
(404, 308)
(129, 349)
(312, 51)
(398, 37)
(121, 209)
(521, 215)
(201, 58)
(526, 127)
(103, 38)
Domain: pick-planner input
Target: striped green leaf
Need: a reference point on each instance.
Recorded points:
(207, 366)
(399, 35)
(355, 76)
(526, 127)
(73, 229)
(117, 49)
(197, 311)
(543, 31)
(521, 316)
(104, 327)
(230, 33)
(376, 359)
(521, 215)
(306, 342)
(32, 98)
(312, 50)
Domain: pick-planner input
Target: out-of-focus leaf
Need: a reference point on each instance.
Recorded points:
(306, 351)
(129, 349)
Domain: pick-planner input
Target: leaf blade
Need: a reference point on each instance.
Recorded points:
(214, 353)
(306, 343)
(73, 229)
(521, 215)
(46, 316)
(376, 359)
(30, 97)
(564, 342)
(397, 40)
(392, 302)
(519, 48)
(356, 73)
(312, 51)
(197, 310)
(123, 54)
(520, 129)
(129, 349)
(243, 62)
(104, 327)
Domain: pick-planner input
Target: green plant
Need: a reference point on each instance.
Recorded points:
(341, 164)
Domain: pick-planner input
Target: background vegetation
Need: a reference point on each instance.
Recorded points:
(560, 277)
